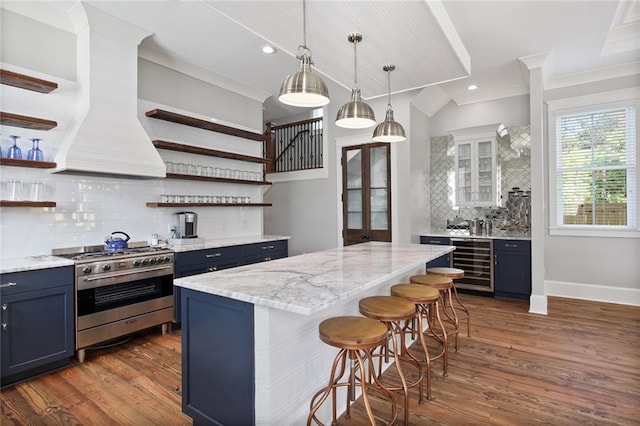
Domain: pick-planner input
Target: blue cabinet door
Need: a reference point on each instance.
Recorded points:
(512, 268)
(218, 372)
(442, 261)
(37, 325)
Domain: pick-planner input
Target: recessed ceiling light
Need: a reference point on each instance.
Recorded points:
(472, 87)
(269, 50)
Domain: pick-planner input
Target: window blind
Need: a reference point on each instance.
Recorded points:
(596, 170)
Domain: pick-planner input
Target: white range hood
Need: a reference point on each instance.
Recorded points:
(107, 137)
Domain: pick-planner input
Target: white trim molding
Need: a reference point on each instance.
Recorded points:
(593, 292)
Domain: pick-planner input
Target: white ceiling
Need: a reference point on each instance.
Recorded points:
(449, 44)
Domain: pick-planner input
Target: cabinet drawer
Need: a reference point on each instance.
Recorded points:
(442, 241)
(221, 255)
(41, 279)
(262, 252)
(267, 249)
(511, 245)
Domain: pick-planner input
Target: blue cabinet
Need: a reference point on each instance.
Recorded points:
(37, 322)
(512, 268)
(442, 261)
(218, 372)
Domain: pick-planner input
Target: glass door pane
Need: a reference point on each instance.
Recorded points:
(354, 190)
(379, 199)
(485, 172)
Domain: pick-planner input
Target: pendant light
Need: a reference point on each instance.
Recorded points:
(389, 130)
(355, 114)
(304, 88)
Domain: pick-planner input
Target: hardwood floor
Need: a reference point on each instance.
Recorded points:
(579, 365)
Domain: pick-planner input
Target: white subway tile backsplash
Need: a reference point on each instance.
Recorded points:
(90, 208)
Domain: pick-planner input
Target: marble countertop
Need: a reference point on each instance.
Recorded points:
(464, 233)
(311, 282)
(32, 263)
(226, 242)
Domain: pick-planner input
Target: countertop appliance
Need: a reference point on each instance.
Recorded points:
(475, 257)
(119, 292)
(186, 225)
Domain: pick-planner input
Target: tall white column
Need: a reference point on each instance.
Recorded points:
(534, 65)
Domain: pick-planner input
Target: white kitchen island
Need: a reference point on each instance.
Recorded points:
(251, 351)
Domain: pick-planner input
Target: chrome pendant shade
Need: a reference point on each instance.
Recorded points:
(355, 114)
(389, 130)
(304, 88)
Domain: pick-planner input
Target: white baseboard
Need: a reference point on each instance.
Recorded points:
(594, 292)
(538, 304)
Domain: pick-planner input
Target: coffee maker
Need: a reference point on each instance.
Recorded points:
(186, 225)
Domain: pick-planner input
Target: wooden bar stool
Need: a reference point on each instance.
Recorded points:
(444, 285)
(454, 274)
(425, 300)
(393, 311)
(357, 338)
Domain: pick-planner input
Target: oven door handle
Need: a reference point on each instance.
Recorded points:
(123, 273)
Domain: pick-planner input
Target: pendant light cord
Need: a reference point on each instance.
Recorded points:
(389, 89)
(304, 25)
(355, 63)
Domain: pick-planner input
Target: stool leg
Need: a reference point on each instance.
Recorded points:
(405, 388)
(330, 389)
(455, 320)
(426, 352)
(444, 341)
(464, 309)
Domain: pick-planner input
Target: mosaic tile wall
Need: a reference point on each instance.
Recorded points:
(513, 153)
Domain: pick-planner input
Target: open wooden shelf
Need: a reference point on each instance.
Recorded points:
(204, 124)
(209, 204)
(216, 179)
(26, 122)
(7, 203)
(26, 82)
(173, 146)
(27, 163)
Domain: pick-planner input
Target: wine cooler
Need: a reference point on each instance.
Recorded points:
(475, 257)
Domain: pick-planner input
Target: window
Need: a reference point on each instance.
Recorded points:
(593, 167)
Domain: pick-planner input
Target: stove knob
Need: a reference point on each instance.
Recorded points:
(145, 262)
(106, 267)
(152, 261)
(167, 259)
(86, 270)
(136, 262)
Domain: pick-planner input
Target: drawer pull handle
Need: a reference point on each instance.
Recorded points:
(214, 255)
(5, 325)
(511, 245)
(4, 306)
(267, 247)
(212, 269)
(11, 284)
(267, 258)
(434, 242)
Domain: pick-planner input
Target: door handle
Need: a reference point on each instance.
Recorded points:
(10, 284)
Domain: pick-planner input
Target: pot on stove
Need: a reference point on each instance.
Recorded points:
(116, 243)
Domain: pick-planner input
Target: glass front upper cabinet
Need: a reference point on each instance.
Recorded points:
(475, 170)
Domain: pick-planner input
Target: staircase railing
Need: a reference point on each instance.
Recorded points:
(294, 146)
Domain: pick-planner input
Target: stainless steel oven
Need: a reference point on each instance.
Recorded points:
(121, 292)
(475, 257)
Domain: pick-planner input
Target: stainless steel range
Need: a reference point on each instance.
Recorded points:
(120, 292)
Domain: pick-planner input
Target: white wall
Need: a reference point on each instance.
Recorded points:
(420, 170)
(579, 266)
(91, 207)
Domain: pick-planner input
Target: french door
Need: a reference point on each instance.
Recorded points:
(366, 193)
